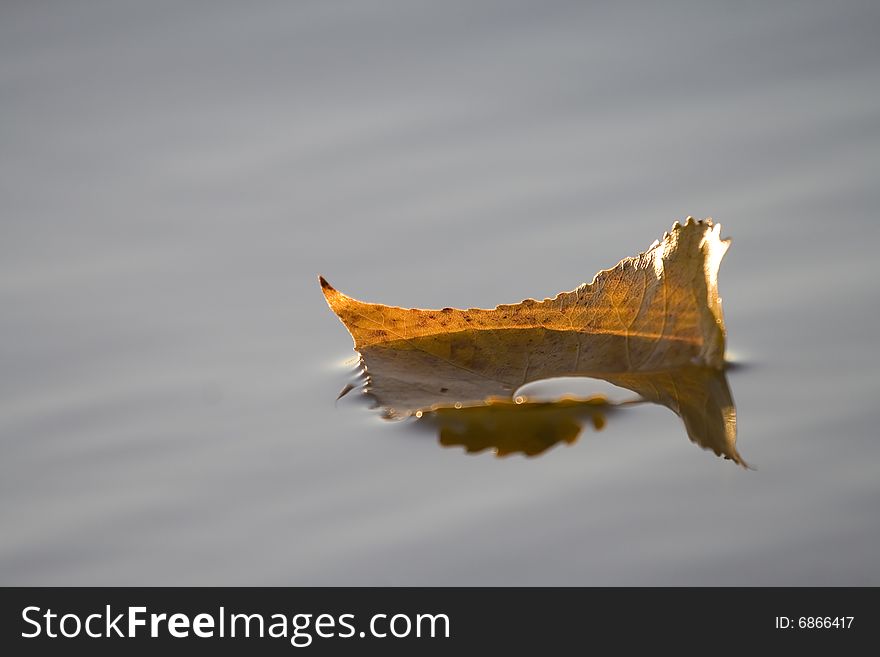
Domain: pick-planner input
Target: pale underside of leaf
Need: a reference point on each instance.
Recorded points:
(470, 367)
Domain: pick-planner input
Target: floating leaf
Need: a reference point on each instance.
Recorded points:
(652, 324)
(666, 298)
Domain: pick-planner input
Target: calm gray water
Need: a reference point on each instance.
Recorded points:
(173, 176)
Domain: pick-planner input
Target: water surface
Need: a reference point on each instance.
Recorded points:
(174, 176)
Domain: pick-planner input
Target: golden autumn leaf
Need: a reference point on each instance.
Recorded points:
(652, 324)
(665, 297)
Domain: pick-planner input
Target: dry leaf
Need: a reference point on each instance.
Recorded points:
(665, 297)
(652, 324)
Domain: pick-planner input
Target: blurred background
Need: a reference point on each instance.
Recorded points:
(174, 175)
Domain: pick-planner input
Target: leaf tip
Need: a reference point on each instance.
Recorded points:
(331, 294)
(736, 458)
